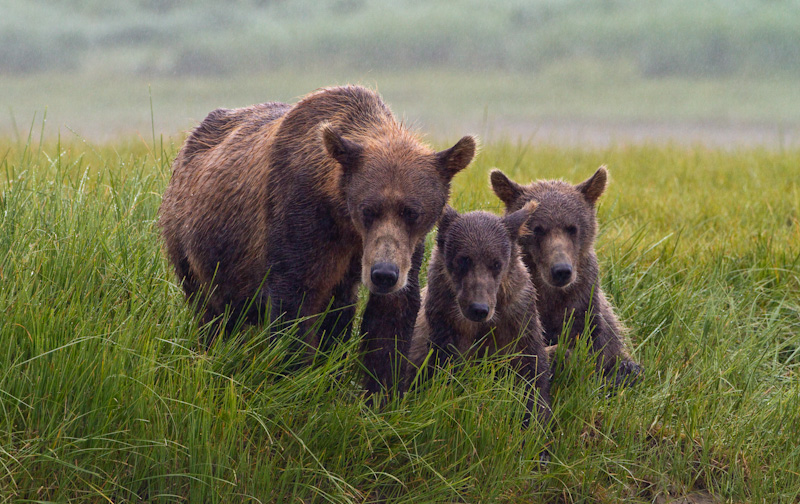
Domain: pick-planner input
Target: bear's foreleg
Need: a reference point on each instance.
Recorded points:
(613, 359)
(387, 327)
(337, 325)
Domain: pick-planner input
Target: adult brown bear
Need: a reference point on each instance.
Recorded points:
(278, 212)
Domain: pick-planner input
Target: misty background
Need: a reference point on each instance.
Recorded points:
(589, 71)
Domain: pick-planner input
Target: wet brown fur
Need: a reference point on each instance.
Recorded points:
(563, 229)
(266, 205)
(512, 324)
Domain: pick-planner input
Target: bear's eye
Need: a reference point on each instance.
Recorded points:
(538, 231)
(369, 214)
(572, 230)
(409, 215)
(463, 263)
(496, 266)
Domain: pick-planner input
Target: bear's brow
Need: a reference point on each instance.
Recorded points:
(374, 204)
(411, 204)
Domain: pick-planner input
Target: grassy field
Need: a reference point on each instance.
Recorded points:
(106, 397)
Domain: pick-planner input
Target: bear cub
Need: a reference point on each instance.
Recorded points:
(559, 253)
(479, 298)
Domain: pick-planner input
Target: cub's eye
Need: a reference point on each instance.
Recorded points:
(463, 263)
(496, 266)
(538, 231)
(409, 215)
(572, 230)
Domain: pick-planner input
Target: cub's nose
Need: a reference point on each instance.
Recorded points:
(477, 312)
(384, 275)
(561, 274)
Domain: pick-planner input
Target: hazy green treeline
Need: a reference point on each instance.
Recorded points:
(175, 37)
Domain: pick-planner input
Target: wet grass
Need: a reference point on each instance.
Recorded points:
(105, 395)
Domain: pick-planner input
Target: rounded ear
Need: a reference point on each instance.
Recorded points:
(346, 152)
(506, 189)
(449, 215)
(456, 158)
(593, 187)
(515, 222)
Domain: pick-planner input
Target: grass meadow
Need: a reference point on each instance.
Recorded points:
(105, 395)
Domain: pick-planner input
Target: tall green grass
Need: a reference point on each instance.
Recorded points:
(106, 396)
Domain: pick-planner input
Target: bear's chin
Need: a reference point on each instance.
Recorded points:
(374, 289)
(551, 284)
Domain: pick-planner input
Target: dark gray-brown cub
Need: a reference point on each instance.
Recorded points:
(479, 299)
(560, 255)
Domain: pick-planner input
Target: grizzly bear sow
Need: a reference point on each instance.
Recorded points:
(480, 298)
(279, 211)
(563, 265)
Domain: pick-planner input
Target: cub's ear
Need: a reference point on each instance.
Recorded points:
(515, 222)
(593, 187)
(456, 158)
(346, 152)
(506, 189)
(449, 215)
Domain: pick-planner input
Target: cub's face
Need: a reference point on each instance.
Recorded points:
(555, 243)
(478, 249)
(395, 192)
(562, 229)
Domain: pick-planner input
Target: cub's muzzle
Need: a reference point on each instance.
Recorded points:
(477, 312)
(561, 274)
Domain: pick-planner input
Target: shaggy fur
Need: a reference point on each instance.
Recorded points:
(279, 211)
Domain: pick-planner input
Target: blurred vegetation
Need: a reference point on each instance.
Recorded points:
(175, 37)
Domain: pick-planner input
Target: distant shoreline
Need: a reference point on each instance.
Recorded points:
(558, 132)
(593, 133)
(573, 109)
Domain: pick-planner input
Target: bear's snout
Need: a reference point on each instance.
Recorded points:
(476, 307)
(561, 274)
(477, 312)
(384, 275)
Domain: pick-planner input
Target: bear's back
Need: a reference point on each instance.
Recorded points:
(356, 112)
(222, 124)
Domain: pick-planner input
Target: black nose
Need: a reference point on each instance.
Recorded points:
(384, 275)
(561, 273)
(477, 312)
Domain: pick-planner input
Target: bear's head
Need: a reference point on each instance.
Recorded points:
(478, 249)
(395, 189)
(564, 226)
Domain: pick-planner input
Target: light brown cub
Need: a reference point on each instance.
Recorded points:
(560, 256)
